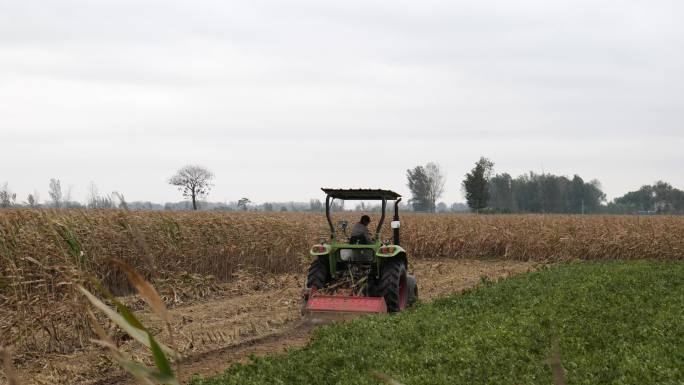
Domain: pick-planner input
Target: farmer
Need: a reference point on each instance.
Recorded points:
(360, 233)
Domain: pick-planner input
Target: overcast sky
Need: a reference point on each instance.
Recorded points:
(280, 98)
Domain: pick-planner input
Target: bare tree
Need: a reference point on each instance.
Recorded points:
(193, 182)
(97, 201)
(123, 205)
(93, 195)
(315, 205)
(436, 180)
(66, 201)
(55, 192)
(427, 185)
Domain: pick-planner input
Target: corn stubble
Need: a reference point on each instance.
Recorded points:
(44, 253)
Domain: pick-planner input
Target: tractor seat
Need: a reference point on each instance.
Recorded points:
(358, 240)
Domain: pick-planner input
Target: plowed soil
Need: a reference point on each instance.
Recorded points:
(250, 316)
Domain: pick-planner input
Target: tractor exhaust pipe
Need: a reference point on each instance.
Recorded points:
(396, 218)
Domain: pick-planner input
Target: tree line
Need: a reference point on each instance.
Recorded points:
(530, 193)
(659, 198)
(486, 192)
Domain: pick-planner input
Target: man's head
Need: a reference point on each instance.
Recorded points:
(365, 220)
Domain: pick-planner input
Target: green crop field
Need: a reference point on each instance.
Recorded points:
(619, 322)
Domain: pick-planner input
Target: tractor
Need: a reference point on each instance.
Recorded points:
(350, 276)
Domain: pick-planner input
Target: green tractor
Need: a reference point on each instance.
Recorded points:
(350, 275)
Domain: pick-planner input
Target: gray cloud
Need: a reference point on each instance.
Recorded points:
(279, 98)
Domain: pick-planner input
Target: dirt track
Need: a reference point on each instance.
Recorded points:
(252, 317)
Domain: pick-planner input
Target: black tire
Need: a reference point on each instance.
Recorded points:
(319, 273)
(412, 289)
(393, 285)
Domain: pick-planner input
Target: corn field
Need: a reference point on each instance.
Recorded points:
(43, 252)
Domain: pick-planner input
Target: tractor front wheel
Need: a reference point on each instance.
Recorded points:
(394, 285)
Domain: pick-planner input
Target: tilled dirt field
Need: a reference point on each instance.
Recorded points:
(249, 317)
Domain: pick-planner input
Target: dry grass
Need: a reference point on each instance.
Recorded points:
(43, 252)
(544, 238)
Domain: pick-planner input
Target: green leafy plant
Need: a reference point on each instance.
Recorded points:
(616, 322)
(129, 323)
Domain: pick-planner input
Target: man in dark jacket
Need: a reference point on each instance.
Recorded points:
(360, 233)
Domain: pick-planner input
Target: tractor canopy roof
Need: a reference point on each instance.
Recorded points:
(361, 194)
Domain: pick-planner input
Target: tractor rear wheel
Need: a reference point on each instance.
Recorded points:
(319, 273)
(394, 285)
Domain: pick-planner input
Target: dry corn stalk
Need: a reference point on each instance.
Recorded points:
(43, 251)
